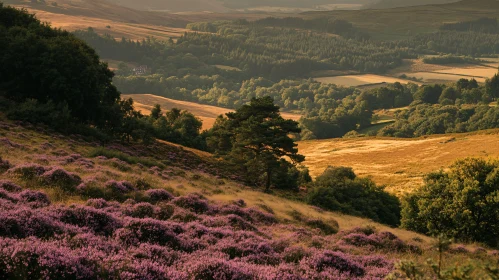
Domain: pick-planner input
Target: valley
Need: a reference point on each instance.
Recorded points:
(353, 139)
(208, 114)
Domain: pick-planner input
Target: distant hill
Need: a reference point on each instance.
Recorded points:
(233, 5)
(386, 4)
(102, 9)
(404, 22)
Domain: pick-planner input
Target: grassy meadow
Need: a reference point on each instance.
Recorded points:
(359, 80)
(400, 164)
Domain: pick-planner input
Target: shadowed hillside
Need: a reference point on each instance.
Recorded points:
(404, 22)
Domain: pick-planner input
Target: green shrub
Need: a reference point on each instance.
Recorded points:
(462, 203)
(339, 189)
(100, 151)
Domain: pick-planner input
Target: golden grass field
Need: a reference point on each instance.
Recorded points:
(400, 164)
(482, 72)
(117, 29)
(359, 80)
(225, 67)
(207, 113)
(439, 77)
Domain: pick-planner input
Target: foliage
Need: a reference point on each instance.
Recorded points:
(109, 240)
(461, 203)
(449, 59)
(339, 189)
(54, 68)
(481, 25)
(435, 269)
(256, 137)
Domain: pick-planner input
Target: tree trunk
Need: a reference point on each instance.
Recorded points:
(269, 176)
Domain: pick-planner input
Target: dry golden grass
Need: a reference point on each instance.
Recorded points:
(482, 72)
(207, 113)
(359, 80)
(225, 67)
(117, 29)
(434, 77)
(400, 164)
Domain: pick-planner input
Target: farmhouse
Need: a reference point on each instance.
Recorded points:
(141, 70)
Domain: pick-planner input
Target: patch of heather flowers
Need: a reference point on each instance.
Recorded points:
(371, 239)
(167, 237)
(4, 165)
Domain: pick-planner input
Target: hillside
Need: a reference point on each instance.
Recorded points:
(404, 22)
(62, 171)
(398, 163)
(207, 113)
(386, 4)
(224, 6)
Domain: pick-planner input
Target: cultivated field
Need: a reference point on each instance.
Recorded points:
(482, 72)
(225, 67)
(359, 80)
(400, 164)
(206, 113)
(439, 77)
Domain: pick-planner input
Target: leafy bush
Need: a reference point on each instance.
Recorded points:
(194, 202)
(100, 151)
(460, 203)
(158, 195)
(98, 221)
(9, 186)
(27, 171)
(34, 198)
(4, 165)
(60, 177)
(339, 189)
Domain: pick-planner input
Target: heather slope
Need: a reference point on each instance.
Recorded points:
(170, 212)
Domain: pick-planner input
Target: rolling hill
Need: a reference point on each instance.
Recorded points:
(400, 164)
(404, 22)
(207, 113)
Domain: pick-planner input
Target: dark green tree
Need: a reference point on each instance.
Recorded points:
(462, 203)
(339, 189)
(258, 137)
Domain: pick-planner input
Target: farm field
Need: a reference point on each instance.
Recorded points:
(437, 77)
(359, 80)
(400, 164)
(225, 67)
(207, 113)
(482, 72)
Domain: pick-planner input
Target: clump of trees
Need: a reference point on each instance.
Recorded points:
(481, 25)
(438, 109)
(256, 138)
(55, 72)
(339, 189)
(52, 77)
(449, 59)
(461, 203)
